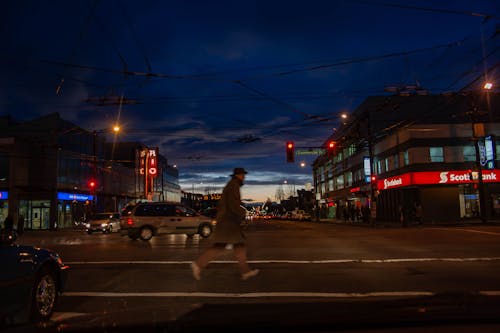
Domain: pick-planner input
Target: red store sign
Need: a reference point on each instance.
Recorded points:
(437, 177)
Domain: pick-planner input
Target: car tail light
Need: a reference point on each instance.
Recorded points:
(130, 221)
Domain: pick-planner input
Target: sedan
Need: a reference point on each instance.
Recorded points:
(104, 222)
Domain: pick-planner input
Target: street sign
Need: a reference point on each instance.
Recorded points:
(300, 152)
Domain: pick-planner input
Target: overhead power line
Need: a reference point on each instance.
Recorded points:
(206, 77)
(428, 9)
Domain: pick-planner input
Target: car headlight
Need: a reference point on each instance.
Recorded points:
(214, 222)
(87, 225)
(104, 225)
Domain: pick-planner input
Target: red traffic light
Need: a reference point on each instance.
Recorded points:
(290, 152)
(92, 184)
(331, 148)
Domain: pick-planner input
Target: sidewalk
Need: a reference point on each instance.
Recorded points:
(388, 224)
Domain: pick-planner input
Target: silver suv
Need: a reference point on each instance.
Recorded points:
(155, 218)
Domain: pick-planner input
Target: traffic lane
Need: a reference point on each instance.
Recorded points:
(435, 310)
(342, 277)
(286, 240)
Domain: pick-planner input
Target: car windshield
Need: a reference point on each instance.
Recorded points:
(233, 165)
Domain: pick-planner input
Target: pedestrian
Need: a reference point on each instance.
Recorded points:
(402, 216)
(20, 225)
(352, 212)
(228, 233)
(418, 213)
(345, 212)
(8, 223)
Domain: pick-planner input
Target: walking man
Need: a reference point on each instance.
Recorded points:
(228, 233)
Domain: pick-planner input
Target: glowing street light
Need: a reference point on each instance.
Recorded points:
(344, 115)
(302, 164)
(116, 128)
(488, 86)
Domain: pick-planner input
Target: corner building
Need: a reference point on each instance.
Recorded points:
(399, 152)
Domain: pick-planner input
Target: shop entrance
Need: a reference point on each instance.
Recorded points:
(469, 201)
(40, 217)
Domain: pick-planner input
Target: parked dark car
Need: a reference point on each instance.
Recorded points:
(31, 280)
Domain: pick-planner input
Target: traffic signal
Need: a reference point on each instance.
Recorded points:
(290, 152)
(92, 184)
(330, 148)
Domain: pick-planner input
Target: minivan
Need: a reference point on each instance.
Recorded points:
(146, 220)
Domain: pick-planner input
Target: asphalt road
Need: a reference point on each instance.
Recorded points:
(298, 262)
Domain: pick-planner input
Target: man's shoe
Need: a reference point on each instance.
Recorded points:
(196, 271)
(249, 274)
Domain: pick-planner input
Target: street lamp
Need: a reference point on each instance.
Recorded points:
(302, 164)
(94, 184)
(488, 86)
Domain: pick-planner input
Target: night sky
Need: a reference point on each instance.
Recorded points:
(224, 84)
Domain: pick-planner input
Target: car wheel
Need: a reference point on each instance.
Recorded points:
(44, 297)
(205, 230)
(146, 233)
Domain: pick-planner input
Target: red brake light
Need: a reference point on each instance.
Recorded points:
(130, 221)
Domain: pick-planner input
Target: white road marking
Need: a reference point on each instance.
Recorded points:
(249, 295)
(470, 230)
(490, 293)
(278, 261)
(59, 316)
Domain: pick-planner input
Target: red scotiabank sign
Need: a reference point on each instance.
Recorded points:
(437, 177)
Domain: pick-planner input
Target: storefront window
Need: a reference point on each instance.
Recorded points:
(406, 158)
(436, 154)
(396, 161)
(36, 213)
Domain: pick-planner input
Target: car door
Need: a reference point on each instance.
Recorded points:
(187, 220)
(167, 217)
(16, 277)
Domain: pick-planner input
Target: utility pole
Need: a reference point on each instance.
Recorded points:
(477, 133)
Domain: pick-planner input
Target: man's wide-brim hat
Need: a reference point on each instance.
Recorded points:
(239, 171)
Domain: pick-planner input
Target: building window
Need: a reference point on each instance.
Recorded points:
(330, 185)
(387, 164)
(469, 154)
(406, 158)
(379, 167)
(396, 161)
(348, 178)
(340, 182)
(436, 154)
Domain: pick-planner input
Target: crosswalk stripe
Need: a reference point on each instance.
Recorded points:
(249, 295)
